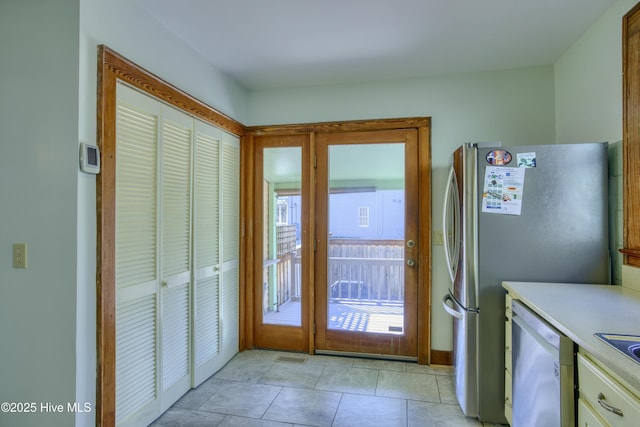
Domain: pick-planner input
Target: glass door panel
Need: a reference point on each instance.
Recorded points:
(365, 284)
(282, 203)
(280, 291)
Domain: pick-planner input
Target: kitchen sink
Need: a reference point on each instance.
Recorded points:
(629, 345)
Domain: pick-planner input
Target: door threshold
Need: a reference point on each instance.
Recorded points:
(367, 355)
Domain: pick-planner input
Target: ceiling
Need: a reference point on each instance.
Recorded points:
(283, 43)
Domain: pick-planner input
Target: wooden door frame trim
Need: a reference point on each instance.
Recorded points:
(423, 126)
(343, 126)
(630, 143)
(111, 68)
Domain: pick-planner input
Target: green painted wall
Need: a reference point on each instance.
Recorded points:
(588, 92)
(38, 189)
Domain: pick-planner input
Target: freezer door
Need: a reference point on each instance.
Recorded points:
(561, 234)
(459, 226)
(451, 224)
(464, 354)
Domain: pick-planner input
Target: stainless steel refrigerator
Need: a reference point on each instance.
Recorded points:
(526, 213)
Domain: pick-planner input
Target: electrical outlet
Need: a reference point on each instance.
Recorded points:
(19, 255)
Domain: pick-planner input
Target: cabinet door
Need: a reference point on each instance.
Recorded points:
(508, 394)
(612, 401)
(587, 417)
(508, 397)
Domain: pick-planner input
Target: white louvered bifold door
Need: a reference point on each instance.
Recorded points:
(206, 252)
(230, 219)
(137, 361)
(177, 248)
(175, 237)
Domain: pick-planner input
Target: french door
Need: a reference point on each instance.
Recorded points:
(282, 258)
(366, 259)
(336, 263)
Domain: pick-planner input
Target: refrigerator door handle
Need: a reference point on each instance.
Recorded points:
(450, 257)
(451, 310)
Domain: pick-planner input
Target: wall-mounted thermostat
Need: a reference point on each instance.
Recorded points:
(89, 158)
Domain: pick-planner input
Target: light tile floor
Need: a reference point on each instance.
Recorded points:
(265, 388)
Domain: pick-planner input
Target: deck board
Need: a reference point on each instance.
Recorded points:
(348, 315)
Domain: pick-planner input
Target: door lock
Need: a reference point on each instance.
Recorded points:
(411, 262)
(410, 243)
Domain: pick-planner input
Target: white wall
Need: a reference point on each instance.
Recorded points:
(123, 27)
(589, 104)
(38, 189)
(589, 82)
(512, 106)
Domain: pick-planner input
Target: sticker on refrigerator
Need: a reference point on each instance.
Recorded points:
(503, 190)
(526, 160)
(498, 157)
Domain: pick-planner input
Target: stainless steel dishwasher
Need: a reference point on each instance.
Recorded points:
(543, 373)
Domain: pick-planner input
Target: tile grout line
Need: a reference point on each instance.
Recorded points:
(319, 376)
(270, 405)
(335, 414)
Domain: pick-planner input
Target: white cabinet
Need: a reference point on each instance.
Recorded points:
(508, 395)
(603, 399)
(587, 416)
(605, 381)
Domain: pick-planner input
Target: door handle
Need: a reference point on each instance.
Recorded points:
(411, 262)
(608, 407)
(451, 310)
(451, 190)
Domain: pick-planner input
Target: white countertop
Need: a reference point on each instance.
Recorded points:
(579, 311)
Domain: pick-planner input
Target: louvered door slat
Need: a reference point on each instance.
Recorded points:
(175, 334)
(230, 164)
(207, 324)
(230, 199)
(206, 187)
(230, 308)
(176, 197)
(135, 196)
(135, 355)
(206, 241)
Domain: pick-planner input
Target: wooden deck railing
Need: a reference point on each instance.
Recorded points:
(366, 270)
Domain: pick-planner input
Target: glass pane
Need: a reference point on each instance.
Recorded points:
(366, 238)
(281, 290)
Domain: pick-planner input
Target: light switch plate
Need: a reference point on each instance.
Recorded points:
(19, 255)
(438, 238)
